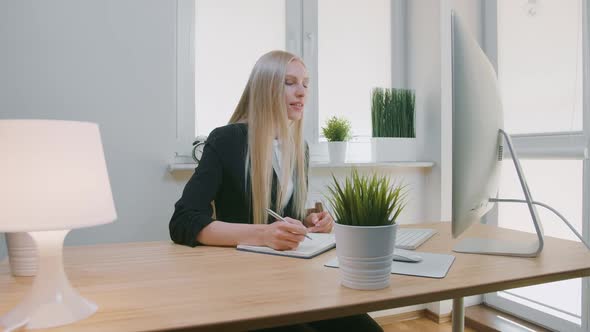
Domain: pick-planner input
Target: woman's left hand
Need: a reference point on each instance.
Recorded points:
(321, 222)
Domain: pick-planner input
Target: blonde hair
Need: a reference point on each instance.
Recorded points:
(262, 106)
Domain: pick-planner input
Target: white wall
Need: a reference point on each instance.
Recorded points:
(110, 62)
(423, 75)
(414, 178)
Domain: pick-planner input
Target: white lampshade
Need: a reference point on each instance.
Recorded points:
(53, 176)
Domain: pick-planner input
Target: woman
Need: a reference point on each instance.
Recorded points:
(258, 161)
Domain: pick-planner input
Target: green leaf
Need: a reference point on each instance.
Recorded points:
(337, 129)
(393, 112)
(366, 200)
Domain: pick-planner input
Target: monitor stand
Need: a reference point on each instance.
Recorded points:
(505, 248)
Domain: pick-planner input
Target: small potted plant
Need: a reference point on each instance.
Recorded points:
(337, 132)
(365, 209)
(393, 119)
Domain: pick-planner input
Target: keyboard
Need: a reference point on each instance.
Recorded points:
(412, 238)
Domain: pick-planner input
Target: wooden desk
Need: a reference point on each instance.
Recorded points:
(160, 286)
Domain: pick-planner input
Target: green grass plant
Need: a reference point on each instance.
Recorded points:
(337, 129)
(366, 200)
(393, 112)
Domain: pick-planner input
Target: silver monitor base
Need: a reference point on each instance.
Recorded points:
(497, 247)
(505, 248)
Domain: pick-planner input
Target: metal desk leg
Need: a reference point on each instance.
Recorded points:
(458, 315)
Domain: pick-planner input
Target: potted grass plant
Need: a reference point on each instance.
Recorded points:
(337, 132)
(393, 119)
(365, 208)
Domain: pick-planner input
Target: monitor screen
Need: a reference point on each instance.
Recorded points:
(477, 120)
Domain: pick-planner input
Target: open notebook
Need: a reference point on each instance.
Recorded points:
(321, 242)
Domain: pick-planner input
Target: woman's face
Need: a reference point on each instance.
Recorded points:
(296, 82)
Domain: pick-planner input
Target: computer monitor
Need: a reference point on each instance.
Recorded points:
(478, 139)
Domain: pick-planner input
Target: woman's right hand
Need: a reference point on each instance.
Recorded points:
(284, 235)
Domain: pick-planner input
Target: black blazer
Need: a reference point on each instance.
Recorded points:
(220, 177)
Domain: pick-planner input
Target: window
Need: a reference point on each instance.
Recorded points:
(219, 41)
(354, 56)
(230, 35)
(564, 193)
(541, 76)
(540, 65)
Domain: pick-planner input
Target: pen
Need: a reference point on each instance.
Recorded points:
(276, 215)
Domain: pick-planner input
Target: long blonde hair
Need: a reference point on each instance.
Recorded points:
(262, 106)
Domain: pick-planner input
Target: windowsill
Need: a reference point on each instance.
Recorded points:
(178, 167)
(410, 164)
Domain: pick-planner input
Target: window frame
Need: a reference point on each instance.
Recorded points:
(185, 80)
(399, 44)
(185, 69)
(301, 39)
(560, 145)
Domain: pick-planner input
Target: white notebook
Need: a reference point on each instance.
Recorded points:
(321, 242)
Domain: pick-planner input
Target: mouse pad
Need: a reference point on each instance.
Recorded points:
(431, 266)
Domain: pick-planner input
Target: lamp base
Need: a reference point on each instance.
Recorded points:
(52, 301)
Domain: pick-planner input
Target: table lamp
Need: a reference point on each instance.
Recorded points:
(53, 178)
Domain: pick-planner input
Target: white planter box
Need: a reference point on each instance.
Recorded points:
(337, 151)
(365, 255)
(394, 149)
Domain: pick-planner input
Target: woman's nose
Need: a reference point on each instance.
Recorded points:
(300, 92)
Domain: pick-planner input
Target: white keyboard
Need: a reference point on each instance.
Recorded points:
(412, 238)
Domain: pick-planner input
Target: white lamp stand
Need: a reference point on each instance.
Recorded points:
(52, 301)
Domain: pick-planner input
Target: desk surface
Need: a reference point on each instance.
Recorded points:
(161, 286)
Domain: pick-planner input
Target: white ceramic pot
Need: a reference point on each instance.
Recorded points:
(337, 151)
(22, 254)
(365, 255)
(394, 149)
